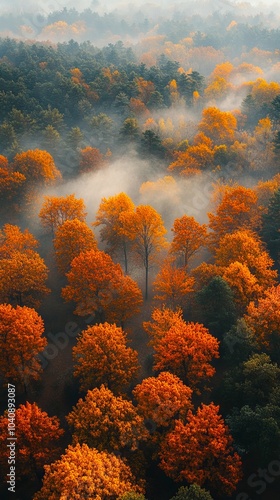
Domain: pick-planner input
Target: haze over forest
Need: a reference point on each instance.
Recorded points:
(140, 249)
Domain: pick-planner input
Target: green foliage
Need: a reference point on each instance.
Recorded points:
(271, 226)
(193, 492)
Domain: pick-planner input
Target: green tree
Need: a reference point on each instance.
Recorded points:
(193, 492)
(270, 231)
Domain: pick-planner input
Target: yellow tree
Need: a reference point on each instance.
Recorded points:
(21, 340)
(113, 225)
(219, 125)
(37, 166)
(84, 472)
(172, 286)
(101, 356)
(163, 398)
(189, 237)
(106, 422)
(57, 209)
(98, 286)
(246, 248)
(71, 238)
(37, 440)
(147, 231)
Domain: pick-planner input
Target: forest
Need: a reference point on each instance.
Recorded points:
(140, 251)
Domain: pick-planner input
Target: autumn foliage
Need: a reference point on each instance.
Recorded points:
(101, 356)
(57, 209)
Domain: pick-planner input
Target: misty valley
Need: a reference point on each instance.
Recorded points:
(140, 250)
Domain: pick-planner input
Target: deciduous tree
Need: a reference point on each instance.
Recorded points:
(72, 238)
(21, 340)
(218, 125)
(37, 440)
(37, 166)
(172, 286)
(101, 356)
(201, 451)
(57, 209)
(189, 237)
(163, 398)
(98, 286)
(187, 350)
(86, 472)
(162, 320)
(106, 422)
(193, 492)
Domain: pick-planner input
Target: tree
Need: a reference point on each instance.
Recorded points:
(93, 474)
(201, 451)
(188, 237)
(37, 166)
(162, 320)
(218, 125)
(12, 239)
(101, 356)
(114, 230)
(172, 286)
(237, 210)
(270, 230)
(146, 230)
(245, 247)
(21, 340)
(37, 438)
(264, 319)
(22, 279)
(216, 303)
(57, 209)
(98, 286)
(187, 350)
(193, 492)
(72, 238)
(243, 284)
(131, 495)
(163, 398)
(106, 422)
(91, 160)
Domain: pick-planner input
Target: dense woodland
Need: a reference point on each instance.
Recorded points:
(140, 254)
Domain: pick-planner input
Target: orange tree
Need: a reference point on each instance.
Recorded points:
(21, 340)
(12, 239)
(37, 440)
(188, 237)
(91, 160)
(106, 422)
(101, 356)
(84, 472)
(219, 125)
(72, 238)
(201, 451)
(98, 286)
(146, 229)
(57, 209)
(172, 286)
(162, 398)
(162, 320)
(22, 279)
(113, 224)
(263, 318)
(237, 210)
(187, 350)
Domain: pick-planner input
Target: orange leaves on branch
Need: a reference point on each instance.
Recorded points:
(84, 472)
(187, 350)
(162, 320)
(162, 398)
(72, 238)
(37, 439)
(12, 239)
(264, 318)
(189, 237)
(219, 125)
(98, 286)
(106, 422)
(57, 209)
(201, 451)
(238, 209)
(172, 286)
(21, 340)
(91, 160)
(101, 356)
(37, 166)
